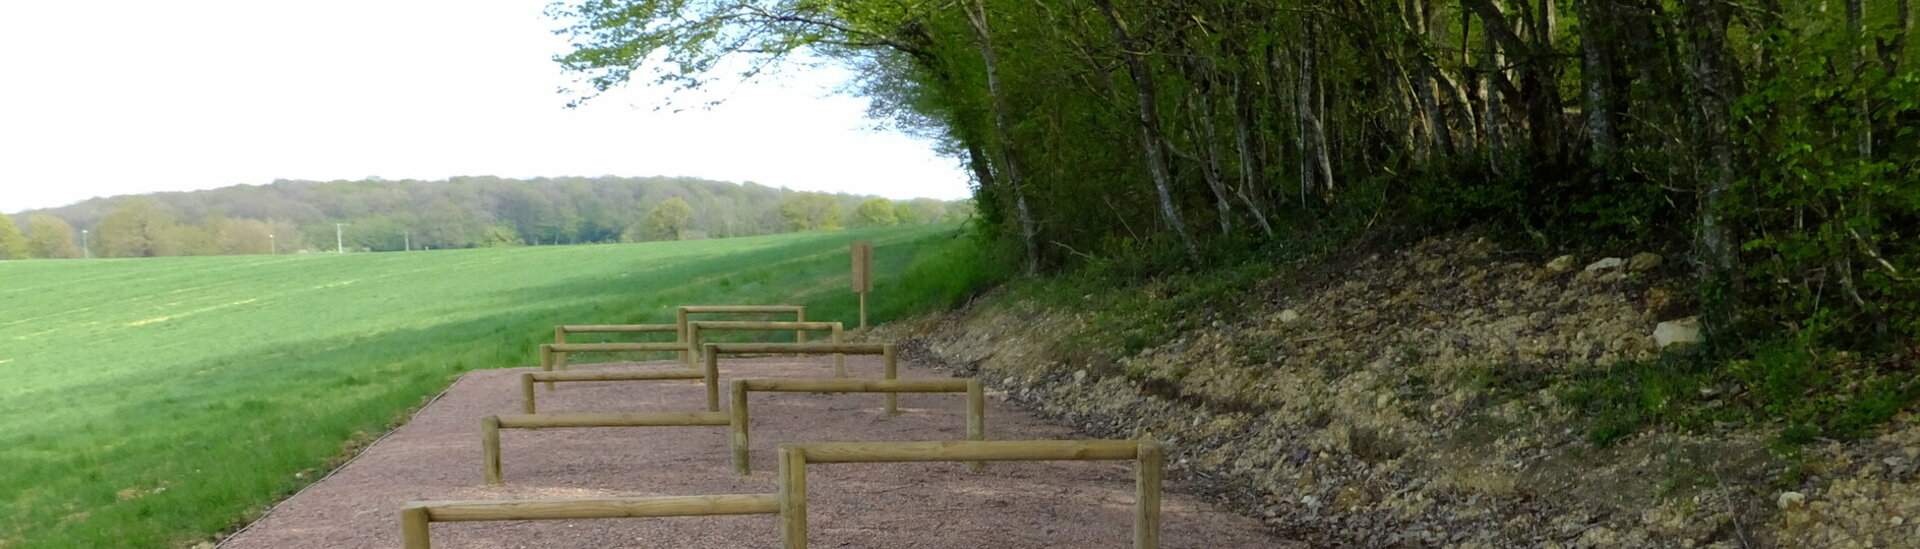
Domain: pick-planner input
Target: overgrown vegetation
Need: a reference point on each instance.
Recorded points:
(153, 402)
(1771, 143)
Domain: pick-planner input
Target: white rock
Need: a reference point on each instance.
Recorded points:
(1606, 263)
(1560, 264)
(1685, 330)
(1791, 500)
(1288, 316)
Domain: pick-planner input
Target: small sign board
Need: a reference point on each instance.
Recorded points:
(862, 267)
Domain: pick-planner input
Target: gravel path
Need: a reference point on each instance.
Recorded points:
(436, 456)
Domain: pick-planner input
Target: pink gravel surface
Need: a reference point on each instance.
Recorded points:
(437, 456)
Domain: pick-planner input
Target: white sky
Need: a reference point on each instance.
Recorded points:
(128, 96)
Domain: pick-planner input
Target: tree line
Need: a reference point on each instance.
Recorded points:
(1774, 142)
(461, 212)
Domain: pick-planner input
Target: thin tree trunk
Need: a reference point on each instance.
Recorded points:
(1714, 90)
(1599, 57)
(1155, 140)
(1250, 165)
(1490, 72)
(1856, 24)
(1210, 152)
(978, 16)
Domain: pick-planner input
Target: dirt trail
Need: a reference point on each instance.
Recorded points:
(931, 505)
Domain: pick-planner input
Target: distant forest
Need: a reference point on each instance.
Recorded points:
(461, 212)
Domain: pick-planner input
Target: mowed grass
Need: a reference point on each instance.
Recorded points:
(154, 402)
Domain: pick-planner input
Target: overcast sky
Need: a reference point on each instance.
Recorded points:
(117, 97)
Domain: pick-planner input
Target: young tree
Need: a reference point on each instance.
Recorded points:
(50, 237)
(669, 220)
(137, 227)
(877, 212)
(12, 244)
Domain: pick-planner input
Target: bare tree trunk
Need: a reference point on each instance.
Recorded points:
(978, 16)
(1599, 57)
(1714, 91)
(1856, 24)
(1250, 166)
(1210, 151)
(1155, 140)
(1490, 69)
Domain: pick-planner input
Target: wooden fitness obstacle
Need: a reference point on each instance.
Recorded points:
(976, 404)
(799, 315)
(1148, 457)
(887, 351)
(415, 517)
(490, 427)
(791, 500)
(527, 380)
(834, 328)
(554, 355)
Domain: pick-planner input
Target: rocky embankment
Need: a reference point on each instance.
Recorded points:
(1413, 400)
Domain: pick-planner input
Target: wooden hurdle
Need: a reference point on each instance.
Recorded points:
(553, 356)
(799, 315)
(694, 328)
(527, 380)
(416, 517)
(1147, 455)
(560, 332)
(490, 427)
(888, 351)
(976, 404)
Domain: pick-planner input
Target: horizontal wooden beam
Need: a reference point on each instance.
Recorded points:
(600, 328)
(660, 346)
(646, 419)
(742, 308)
(798, 348)
(792, 385)
(617, 375)
(770, 325)
(637, 507)
(992, 450)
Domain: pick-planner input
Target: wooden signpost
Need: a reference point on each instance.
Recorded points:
(863, 276)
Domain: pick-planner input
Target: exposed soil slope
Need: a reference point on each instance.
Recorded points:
(1413, 400)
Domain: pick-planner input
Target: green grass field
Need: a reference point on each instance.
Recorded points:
(153, 402)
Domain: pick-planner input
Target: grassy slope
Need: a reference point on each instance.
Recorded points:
(152, 402)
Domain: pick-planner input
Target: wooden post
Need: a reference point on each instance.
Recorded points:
(692, 340)
(1148, 471)
(793, 498)
(891, 358)
(526, 392)
(839, 360)
(800, 336)
(976, 418)
(490, 448)
(739, 424)
(713, 380)
(413, 529)
(680, 335)
(863, 276)
(559, 334)
(546, 361)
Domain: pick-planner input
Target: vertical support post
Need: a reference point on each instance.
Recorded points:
(526, 393)
(413, 529)
(976, 418)
(680, 335)
(800, 336)
(559, 334)
(490, 448)
(892, 360)
(692, 338)
(741, 455)
(793, 499)
(1146, 505)
(839, 360)
(713, 380)
(546, 362)
(863, 312)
